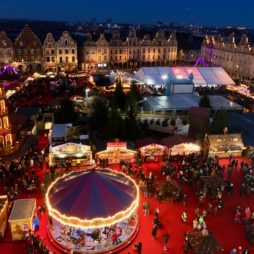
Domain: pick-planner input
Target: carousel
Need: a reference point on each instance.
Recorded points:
(93, 211)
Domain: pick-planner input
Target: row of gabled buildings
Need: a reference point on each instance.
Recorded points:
(237, 58)
(28, 53)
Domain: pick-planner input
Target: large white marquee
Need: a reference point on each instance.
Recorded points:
(202, 76)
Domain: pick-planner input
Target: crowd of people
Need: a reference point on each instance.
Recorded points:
(36, 245)
(212, 183)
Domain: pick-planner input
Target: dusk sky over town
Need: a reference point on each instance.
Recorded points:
(219, 13)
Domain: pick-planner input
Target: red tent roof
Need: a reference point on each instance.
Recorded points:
(91, 194)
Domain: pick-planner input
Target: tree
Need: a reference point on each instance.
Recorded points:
(219, 122)
(99, 117)
(66, 113)
(205, 102)
(133, 97)
(132, 127)
(119, 97)
(115, 127)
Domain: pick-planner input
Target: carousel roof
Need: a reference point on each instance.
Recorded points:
(93, 197)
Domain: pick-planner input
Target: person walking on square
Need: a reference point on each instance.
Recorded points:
(165, 240)
(147, 207)
(184, 217)
(154, 231)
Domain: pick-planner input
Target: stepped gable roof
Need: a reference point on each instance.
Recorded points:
(5, 41)
(27, 38)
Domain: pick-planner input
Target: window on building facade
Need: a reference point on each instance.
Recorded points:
(66, 59)
(105, 58)
(60, 59)
(53, 59)
(73, 59)
(116, 51)
(66, 43)
(5, 122)
(48, 59)
(154, 50)
(66, 51)
(73, 51)
(52, 51)
(60, 51)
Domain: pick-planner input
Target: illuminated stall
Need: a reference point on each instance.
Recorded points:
(185, 148)
(224, 145)
(77, 154)
(116, 152)
(3, 214)
(93, 211)
(21, 218)
(153, 152)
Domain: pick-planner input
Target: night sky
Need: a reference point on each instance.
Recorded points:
(215, 12)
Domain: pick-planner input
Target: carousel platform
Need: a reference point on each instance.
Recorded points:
(117, 248)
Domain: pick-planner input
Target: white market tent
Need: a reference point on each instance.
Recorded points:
(185, 102)
(202, 76)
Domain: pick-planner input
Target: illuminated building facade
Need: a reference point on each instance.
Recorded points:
(237, 59)
(131, 53)
(61, 53)
(28, 51)
(6, 49)
(6, 136)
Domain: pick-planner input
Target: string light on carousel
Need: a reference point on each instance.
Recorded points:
(93, 211)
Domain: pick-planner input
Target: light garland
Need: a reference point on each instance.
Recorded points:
(96, 222)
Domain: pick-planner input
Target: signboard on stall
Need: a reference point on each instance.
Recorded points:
(117, 145)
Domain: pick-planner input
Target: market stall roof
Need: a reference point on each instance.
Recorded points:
(22, 209)
(59, 130)
(243, 123)
(69, 148)
(202, 76)
(147, 141)
(203, 244)
(175, 140)
(185, 102)
(93, 197)
(185, 148)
